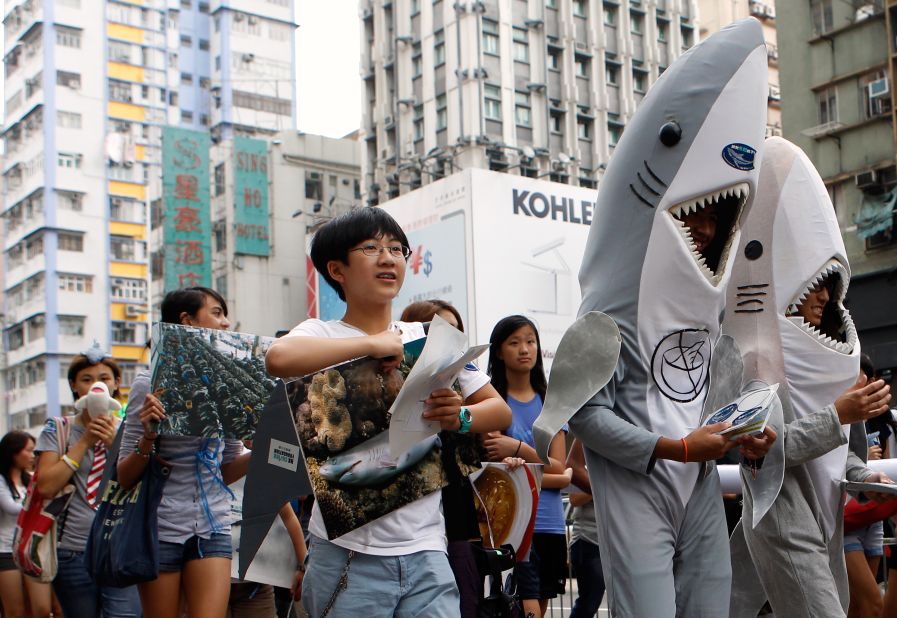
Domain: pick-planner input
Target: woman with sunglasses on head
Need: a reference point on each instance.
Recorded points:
(82, 465)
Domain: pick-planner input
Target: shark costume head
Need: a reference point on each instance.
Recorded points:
(691, 147)
(790, 245)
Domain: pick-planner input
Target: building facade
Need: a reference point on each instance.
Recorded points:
(837, 71)
(89, 87)
(714, 15)
(541, 88)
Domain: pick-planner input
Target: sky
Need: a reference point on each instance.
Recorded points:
(328, 57)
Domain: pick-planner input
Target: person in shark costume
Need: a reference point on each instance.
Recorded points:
(689, 148)
(788, 547)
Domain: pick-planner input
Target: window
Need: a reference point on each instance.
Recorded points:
(827, 102)
(172, 98)
(686, 32)
(821, 11)
(662, 30)
(69, 160)
(129, 332)
(124, 209)
(119, 52)
(551, 4)
(582, 66)
(126, 289)
(204, 44)
(441, 113)
(185, 4)
(119, 91)
(418, 122)
(205, 83)
(314, 186)
(69, 80)
(610, 71)
(70, 242)
(614, 132)
(583, 127)
(75, 283)
(203, 7)
(71, 325)
(490, 37)
(492, 102)
(579, 8)
(521, 45)
(636, 22)
(262, 103)
(70, 200)
(186, 115)
(186, 40)
(554, 59)
(557, 121)
(522, 110)
(416, 61)
(585, 179)
(186, 78)
(34, 246)
(639, 80)
(68, 37)
(68, 120)
(36, 327)
(875, 95)
(610, 15)
(126, 249)
(439, 48)
(219, 179)
(415, 7)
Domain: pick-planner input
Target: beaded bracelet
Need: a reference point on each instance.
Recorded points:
(142, 454)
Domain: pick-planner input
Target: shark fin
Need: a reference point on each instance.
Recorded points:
(584, 363)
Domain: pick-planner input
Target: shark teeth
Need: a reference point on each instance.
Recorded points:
(741, 191)
(848, 329)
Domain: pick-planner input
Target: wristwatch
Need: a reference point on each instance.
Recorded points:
(466, 419)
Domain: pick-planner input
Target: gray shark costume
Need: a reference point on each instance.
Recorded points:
(789, 545)
(691, 143)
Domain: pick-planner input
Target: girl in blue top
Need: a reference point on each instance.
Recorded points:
(515, 366)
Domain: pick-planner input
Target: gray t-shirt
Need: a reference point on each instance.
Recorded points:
(584, 525)
(194, 496)
(80, 515)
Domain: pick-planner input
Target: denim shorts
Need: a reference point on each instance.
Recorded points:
(867, 540)
(172, 556)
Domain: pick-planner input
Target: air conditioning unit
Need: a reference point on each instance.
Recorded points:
(879, 88)
(866, 180)
(133, 311)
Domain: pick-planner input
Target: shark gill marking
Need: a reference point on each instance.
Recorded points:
(750, 298)
(648, 200)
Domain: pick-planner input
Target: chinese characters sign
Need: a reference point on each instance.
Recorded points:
(250, 196)
(188, 229)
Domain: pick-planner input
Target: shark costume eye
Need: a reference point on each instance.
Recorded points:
(670, 134)
(753, 250)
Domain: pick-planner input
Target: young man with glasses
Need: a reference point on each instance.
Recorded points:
(397, 563)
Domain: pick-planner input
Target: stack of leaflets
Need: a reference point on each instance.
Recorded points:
(860, 487)
(748, 414)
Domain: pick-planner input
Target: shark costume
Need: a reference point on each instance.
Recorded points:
(692, 143)
(791, 533)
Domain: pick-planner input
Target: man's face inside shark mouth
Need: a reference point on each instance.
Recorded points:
(818, 309)
(707, 224)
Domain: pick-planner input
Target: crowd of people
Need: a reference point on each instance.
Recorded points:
(419, 560)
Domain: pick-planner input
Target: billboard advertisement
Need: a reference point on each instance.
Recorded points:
(494, 245)
(187, 230)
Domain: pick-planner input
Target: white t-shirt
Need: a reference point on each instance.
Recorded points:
(415, 527)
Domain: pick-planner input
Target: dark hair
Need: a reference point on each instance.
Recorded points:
(867, 366)
(81, 362)
(424, 310)
(496, 367)
(11, 445)
(189, 300)
(333, 241)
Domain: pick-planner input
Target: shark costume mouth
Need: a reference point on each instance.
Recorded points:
(729, 203)
(837, 330)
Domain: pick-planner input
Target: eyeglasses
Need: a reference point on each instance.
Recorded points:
(396, 251)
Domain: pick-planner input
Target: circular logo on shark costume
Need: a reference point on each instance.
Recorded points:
(739, 156)
(680, 365)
